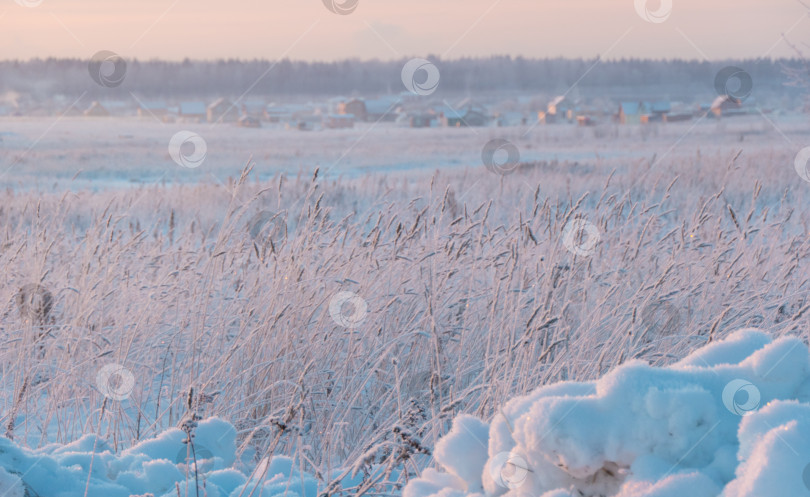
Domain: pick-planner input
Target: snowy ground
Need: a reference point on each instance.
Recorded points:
(347, 321)
(76, 153)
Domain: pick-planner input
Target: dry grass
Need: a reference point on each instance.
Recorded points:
(472, 297)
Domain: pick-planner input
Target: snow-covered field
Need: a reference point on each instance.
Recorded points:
(368, 330)
(77, 152)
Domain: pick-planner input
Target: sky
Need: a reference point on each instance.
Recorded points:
(389, 29)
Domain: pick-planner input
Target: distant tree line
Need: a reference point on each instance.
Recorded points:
(799, 75)
(188, 78)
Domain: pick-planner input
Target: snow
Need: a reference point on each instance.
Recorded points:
(121, 152)
(730, 420)
(158, 466)
(461, 447)
(10, 484)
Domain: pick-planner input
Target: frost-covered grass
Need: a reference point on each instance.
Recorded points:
(729, 419)
(472, 298)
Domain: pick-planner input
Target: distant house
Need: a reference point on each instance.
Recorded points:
(254, 109)
(558, 110)
(466, 114)
(659, 111)
(382, 109)
(192, 111)
(291, 113)
(469, 118)
(474, 117)
(221, 110)
(633, 113)
(338, 121)
(96, 110)
(726, 105)
(249, 122)
(334, 103)
(417, 119)
(643, 112)
(278, 113)
(153, 109)
(671, 112)
(355, 107)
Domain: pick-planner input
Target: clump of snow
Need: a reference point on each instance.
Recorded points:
(159, 467)
(730, 420)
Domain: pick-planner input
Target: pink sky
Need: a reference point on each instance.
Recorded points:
(305, 29)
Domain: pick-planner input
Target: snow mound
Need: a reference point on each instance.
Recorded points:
(157, 467)
(731, 420)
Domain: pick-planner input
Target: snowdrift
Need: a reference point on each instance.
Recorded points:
(160, 467)
(732, 419)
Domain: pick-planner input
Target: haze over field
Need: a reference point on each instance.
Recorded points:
(245, 29)
(351, 248)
